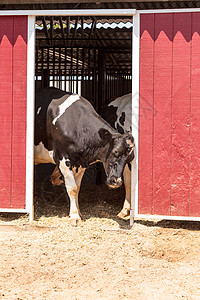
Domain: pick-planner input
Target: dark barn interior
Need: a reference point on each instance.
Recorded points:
(90, 56)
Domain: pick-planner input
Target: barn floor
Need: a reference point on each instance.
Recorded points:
(101, 258)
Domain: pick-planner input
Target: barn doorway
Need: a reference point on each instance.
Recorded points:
(88, 55)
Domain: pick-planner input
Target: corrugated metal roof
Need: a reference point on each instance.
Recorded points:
(102, 23)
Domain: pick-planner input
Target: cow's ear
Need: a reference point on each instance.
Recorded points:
(130, 142)
(104, 134)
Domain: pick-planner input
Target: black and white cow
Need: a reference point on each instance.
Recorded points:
(70, 134)
(118, 115)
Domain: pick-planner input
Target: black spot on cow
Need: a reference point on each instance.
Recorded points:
(129, 166)
(122, 118)
(110, 115)
(120, 129)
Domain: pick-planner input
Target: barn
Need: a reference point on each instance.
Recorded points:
(103, 50)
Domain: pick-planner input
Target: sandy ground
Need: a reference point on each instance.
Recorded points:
(101, 258)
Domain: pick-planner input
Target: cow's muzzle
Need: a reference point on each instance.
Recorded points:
(114, 182)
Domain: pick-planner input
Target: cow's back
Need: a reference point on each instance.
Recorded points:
(42, 100)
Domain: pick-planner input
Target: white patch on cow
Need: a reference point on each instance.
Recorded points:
(131, 145)
(67, 103)
(72, 184)
(39, 109)
(42, 155)
(123, 104)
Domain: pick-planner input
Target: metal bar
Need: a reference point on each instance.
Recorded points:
(83, 39)
(68, 29)
(51, 29)
(42, 67)
(82, 29)
(53, 66)
(92, 29)
(36, 65)
(71, 70)
(77, 70)
(48, 62)
(65, 85)
(75, 30)
(46, 30)
(118, 49)
(94, 80)
(62, 29)
(82, 72)
(60, 71)
(89, 70)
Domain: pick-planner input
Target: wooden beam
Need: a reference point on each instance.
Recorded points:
(76, 1)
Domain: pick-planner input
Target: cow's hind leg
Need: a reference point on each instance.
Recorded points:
(72, 183)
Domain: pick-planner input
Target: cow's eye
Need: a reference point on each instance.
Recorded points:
(116, 153)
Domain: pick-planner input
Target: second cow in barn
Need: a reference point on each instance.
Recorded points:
(119, 115)
(70, 134)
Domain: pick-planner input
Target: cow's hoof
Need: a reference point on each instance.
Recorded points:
(74, 220)
(124, 213)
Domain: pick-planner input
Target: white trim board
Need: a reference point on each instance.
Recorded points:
(13, 210)
(74, 12)
(167, 11)
(135, 113)
(161, 217)
(30, 116)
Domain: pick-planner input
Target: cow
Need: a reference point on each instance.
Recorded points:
(118, 115)
(70, 134)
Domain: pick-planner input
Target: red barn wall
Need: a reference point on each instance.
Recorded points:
(13, 97)
(169, 126)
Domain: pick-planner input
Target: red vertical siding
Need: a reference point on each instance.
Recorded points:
(175, 129)
(195, 118)
(13, 78)
(146, 114)
(6, 62)
(181, 115)
(162, 113)
(19, 111)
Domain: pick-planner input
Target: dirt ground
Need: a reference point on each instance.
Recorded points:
(101, 258)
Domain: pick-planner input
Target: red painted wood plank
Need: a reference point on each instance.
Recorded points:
(19, 112)
(162, 113)
(181, 115)
(146, 114)
(195, 117)
(6, 48)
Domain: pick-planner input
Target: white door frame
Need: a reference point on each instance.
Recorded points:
(135, 92)
(31, 83)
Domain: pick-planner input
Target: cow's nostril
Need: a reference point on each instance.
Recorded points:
(116, 180)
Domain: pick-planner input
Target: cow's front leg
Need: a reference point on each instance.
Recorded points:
(127, 183)
(72, 183)
(127, 202)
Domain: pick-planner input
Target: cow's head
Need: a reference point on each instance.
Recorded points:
(119, 151)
